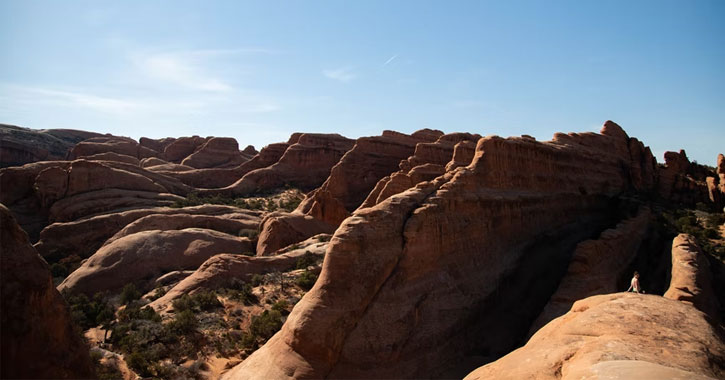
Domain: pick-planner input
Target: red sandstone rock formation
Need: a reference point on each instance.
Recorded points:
(282, 229)
(157, 145)
(216, 152)
(681, 181)
(357, 173)
(115, 144)
(429, 161)
(182, 147)
(19, 146)
(221, 269)
(38, 341)
(83, 237)
(146, 255)
(597, 266)
(414, 281)
(691, 277)
(305, 165)
(214, 178)
(111, 156)
(617, 336)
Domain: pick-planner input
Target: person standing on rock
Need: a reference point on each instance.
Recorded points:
(634, 284)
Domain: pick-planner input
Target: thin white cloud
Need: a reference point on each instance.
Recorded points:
(179, 69)
(391, 59)
(342, 74)
(71, 98)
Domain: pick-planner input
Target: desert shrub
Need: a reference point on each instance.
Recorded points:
(207, 300)
(715, 220)
(87, 313)
(257, 280)
(266, 324)
(306, 280)
(134, 311)
(270, 205)
(711, 233)
(184, 323)
(306, 260)
(129, 293)
(58, 270)
(240, 291)
(323, 238)
(290, 205)
(281, 306)
(158, 293)
(138, 363)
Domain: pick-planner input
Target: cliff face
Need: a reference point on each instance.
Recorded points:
(38, 340)
(414, 281)
(19, 146)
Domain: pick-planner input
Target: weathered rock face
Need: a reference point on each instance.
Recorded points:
(721, 173)
(429, 161)
(691, 277)
(282, 229)
(182, 147)
(214, 178)
(681, 181)
(38, 340)
(598, 266)
(84, 237)
(305, 165)
(619, 336)
(216, 152)
(220, 270)
(19, 146)
(111, 156)
(417, 280)
(115, 144)
(157, 145)
(357, 173)
(144, 256)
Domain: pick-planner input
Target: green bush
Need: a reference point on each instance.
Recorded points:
(306, 280)
(129, 293)
(249, 233)
(307, 260)
(200, 301)
(138, 363)
(58, 270)
(257, 280)
(240, 291)
(158, 293)
(184, 323)
(266, 324)
(89, 313)
(281, 306)
(133, 311)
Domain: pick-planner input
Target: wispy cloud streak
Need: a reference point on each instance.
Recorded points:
(342, 74)
(391, 59)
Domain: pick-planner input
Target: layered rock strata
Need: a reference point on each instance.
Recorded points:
(20, 146)
(691, 280)
(413, 281)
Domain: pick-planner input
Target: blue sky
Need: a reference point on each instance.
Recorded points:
(260, 70)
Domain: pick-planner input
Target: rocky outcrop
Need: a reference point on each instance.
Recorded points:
(182, 147)
(142, 257)
(154, 144)
(691, 277)
(428, 274)
(20, 146)
(598, 266)
(115, 144)
(111, 156)
(304, 165)
(230, 224)
(721, 174)
(38, 341)
(617, 336)
(84, 237)
(216, 152)
(279, 230)
(221, 270)
(214, 178)
(356, 174)
(681, 181)
(429, 161)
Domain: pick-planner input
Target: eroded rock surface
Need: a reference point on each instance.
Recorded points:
(415, 281)
(621, 336)
(38, 340)
(20, 146)
(691, 277)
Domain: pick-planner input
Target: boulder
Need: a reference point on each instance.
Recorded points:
(106, 144)
(182, 147)
(142, 257)
(216, 152)
(38, 338)
(279, 230)
(617, 336)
